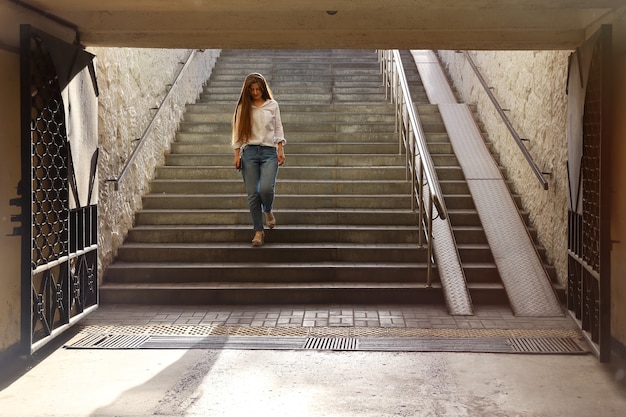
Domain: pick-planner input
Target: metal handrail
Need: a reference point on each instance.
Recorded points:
(135, 152)
(518, 140)
(425, 189)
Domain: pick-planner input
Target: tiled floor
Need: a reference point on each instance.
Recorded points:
(397, 316)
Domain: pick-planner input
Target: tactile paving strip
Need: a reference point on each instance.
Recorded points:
(362, 332)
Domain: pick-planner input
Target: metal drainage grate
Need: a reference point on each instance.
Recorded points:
(545, 345)
(331, 343)
(111, 341)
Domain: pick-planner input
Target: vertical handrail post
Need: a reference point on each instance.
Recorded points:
(430, 246)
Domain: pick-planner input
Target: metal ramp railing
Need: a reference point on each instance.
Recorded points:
(425, 189)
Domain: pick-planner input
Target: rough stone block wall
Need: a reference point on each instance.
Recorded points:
(531, 85)
(132, 83)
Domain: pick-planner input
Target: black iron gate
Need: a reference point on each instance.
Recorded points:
(59, 245)
(588, 288)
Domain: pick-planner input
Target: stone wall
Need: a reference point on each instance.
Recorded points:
(132, 83)
(531, 85)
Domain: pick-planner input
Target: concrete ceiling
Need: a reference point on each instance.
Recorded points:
(431, 24)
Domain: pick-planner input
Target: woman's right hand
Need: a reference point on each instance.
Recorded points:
(237, 159)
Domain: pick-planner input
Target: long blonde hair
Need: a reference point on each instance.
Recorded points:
(242, 128)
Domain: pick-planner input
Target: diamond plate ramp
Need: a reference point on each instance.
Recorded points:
(435, 82)
(451, 274)
(523, 274)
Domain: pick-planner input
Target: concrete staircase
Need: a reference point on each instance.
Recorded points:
(345, 233)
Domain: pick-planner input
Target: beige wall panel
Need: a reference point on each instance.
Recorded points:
(618, 208)
(10, 173)
(12, 16)
(81, 118)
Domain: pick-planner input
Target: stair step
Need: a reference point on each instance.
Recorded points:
(234, 201)
(381, 108)
(294, 127)
(286, 187)
(438, 138)
(464, 217)
(258, 294)
(475, 252)
(371, 173)
(445, 161)
(287, 217)
(290, 233)
(434, 127)
(459, 201)
(448, 173)
(270, 252)
(223, 139)
(355, 160)
(469, 234)
(429, 118)
(374, 148)
(454, 187)
(441, 148)
(488, 294)
(481, 273)
(260, 273)
(304, 97)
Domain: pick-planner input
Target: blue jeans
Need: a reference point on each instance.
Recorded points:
(259, 168)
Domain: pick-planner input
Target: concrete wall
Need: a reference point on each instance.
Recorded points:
(532, 86)
(132, 82)
(10, 175)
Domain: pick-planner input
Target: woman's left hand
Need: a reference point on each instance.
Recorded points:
(281, 154)
(281, 157)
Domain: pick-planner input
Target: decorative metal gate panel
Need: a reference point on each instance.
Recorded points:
(588, 287)
(59, 249)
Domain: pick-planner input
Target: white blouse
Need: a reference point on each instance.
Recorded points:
(267, 127)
